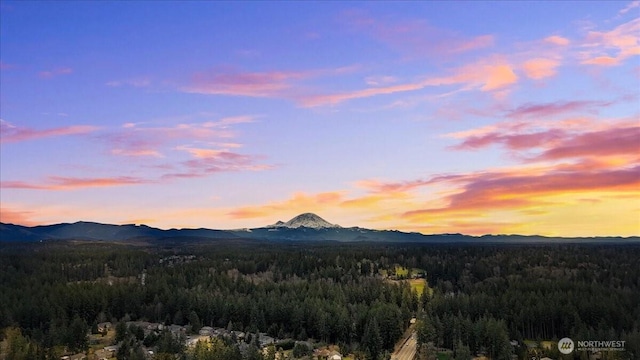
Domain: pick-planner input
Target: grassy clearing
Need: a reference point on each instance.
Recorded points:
(419, 285)
(402, 271)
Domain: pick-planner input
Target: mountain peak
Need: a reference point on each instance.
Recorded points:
(308, 220)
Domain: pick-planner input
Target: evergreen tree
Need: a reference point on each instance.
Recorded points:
(371, 339)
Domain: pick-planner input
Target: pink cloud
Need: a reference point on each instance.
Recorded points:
(74, 183)
(512, 141)
(544, 110)
(607, 142)
(557, 40)
(11, 133)
(577, 139)
(515, 190)
(55, 72)
(603, 61)
(610, 48)
(540, 68)
(254, 84)
(210, 161)
(133, 140)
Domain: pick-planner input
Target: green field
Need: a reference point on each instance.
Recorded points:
(418, 285)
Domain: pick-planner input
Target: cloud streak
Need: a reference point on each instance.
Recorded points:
(252, 84)
(488, 76)
(414, 38)
(11, 133)
(74, 183)
(49, 74)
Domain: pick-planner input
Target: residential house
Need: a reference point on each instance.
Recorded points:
(206, 330)
(104, 326)
(112, 349)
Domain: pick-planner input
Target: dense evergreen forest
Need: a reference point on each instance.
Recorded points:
(479, 298)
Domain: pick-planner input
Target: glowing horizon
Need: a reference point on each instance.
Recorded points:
(437, 117)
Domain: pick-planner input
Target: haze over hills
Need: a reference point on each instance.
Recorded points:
(304, 227)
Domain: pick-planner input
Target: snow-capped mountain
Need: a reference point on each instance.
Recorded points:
(308, 220)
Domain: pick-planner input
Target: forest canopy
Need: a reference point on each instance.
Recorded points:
(479, 298)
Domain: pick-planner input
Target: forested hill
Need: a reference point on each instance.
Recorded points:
(107, 232)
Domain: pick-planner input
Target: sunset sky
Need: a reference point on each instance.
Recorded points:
(471, 117)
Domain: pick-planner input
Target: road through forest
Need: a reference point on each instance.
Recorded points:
(408, 350)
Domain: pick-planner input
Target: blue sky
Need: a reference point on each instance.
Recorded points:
(472, 117)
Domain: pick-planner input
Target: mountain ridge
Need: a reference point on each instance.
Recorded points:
(304, 227)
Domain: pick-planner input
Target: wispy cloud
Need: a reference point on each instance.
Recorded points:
(611, 48)
(557, 40)
(74, 183)
(414, 38)
(48, 74)
(5, 66)
(139, 82)
(546, 110)
(10, 133)
(207, 161)
(236, 83)
(486, 75)
(632, 5)
(135, 140)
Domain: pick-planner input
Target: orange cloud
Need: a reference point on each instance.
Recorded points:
(300, 202)
(11, 133)
(499, 77)
(16, 217)
(513, 190)
(540, 68)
